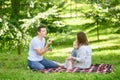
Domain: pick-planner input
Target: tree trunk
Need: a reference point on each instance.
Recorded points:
(15, 8)
(15, 17)
(70, 8)
(19, 50)
(98, 31)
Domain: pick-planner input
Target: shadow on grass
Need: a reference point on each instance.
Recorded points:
(103, 40)
(115, 47)
(83, 27)
(86, 26)
(63, 42)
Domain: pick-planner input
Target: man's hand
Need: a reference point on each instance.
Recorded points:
(49, 41)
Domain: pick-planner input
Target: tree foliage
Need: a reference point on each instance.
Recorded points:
(19, 19)
(105, 12)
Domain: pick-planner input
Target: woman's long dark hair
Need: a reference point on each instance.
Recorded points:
(82, 39)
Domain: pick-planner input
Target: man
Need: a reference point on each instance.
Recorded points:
(37, 49)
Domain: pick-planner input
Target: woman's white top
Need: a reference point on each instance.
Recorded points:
(84, 54)
(83, 58)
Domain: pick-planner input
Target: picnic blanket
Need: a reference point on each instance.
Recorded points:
(98, 68)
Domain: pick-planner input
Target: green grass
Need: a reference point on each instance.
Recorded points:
(14, 67)
(107, 50)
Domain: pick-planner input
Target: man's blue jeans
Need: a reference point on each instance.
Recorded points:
(39, 65)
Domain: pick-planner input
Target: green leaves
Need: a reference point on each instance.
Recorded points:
(19, 19)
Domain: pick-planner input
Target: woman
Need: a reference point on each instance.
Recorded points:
(83, 54)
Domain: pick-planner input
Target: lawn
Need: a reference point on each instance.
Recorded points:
(106, 50)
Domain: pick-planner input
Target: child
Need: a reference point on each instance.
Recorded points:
(82, 56)
(74, 51)
(72, 54)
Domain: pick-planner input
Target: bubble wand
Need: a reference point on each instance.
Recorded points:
(50, 46)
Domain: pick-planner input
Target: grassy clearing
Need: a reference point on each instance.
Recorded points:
(107, 50)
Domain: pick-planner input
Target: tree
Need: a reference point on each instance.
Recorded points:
(19, 19)
(104, 12)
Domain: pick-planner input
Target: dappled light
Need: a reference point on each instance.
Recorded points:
(60, 52)
(98, 19)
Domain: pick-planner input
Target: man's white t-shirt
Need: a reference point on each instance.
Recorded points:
(35, 43)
